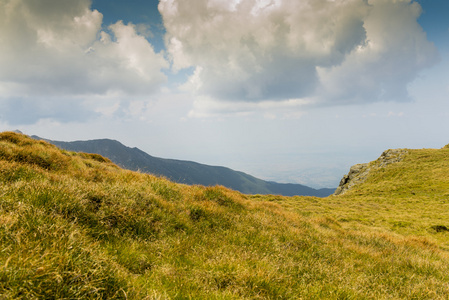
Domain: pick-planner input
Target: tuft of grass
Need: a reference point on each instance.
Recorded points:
(76, 226)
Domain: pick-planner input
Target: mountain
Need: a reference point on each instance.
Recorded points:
(186, 172)
(76, 226)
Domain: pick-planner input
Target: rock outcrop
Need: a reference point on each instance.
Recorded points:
(359, 173)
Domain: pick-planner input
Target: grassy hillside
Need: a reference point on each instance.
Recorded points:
(76, 226)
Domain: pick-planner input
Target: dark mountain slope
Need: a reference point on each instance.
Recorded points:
(186, 172)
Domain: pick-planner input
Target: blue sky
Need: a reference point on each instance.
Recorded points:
(291, 91)
(435, 21)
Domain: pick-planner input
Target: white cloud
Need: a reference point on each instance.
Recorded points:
(207, 107)
(394, 114)
(56, 50)
(273, 50)
(395, 51)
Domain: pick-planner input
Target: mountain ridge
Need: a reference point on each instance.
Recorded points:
(186, 172)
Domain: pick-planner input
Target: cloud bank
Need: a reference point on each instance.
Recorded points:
(318, 51)
(57, 50)
(57, 62)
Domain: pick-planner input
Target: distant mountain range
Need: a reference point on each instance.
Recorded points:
(186, 172)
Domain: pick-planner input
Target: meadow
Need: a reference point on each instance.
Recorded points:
(76, 226)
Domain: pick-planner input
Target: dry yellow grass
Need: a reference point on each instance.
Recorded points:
(76, 226)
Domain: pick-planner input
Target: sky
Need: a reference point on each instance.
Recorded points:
(288, 91)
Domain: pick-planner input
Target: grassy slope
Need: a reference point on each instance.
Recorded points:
(76, 226)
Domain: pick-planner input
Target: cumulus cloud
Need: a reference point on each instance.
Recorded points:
(322, 51)
(57, 50)
(395, 51)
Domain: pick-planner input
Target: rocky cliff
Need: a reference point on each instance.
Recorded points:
(359, 173)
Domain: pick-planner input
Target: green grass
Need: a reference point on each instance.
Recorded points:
(76, 226)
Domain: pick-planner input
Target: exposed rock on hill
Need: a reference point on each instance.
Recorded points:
(359, 173)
